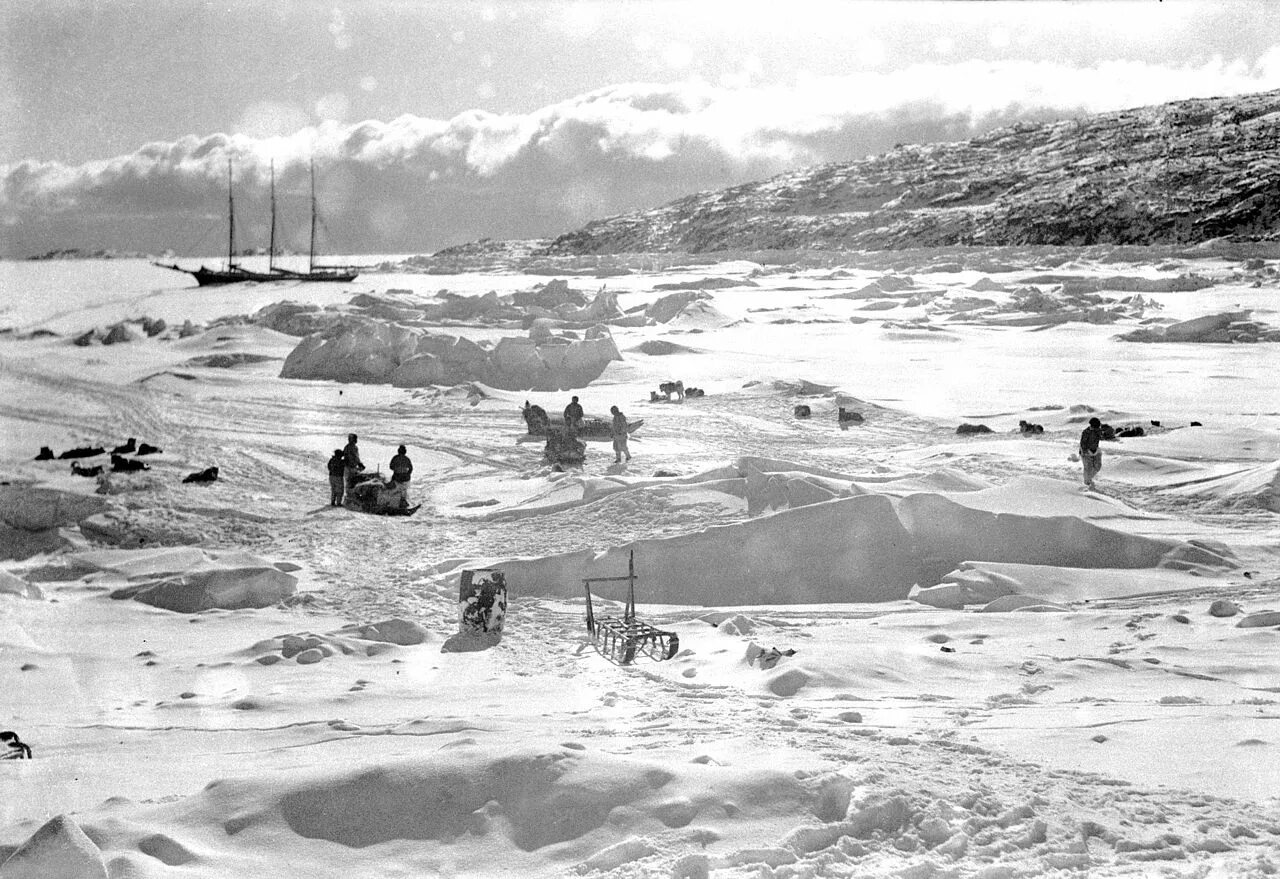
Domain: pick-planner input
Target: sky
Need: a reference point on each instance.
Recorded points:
(439, 123)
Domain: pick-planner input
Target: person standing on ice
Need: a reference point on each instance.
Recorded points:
(401, 471)
(337, 478)
(354, 464)
(573, 416)
(1090, 454)
(618, 430)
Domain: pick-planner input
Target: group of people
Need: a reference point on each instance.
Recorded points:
(345, 469)
(573, 416)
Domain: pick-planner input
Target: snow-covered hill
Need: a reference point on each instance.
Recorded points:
(1181, 172)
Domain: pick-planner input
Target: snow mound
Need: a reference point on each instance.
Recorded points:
(59, 848)
(701, 314)
(467, 809)
(229, 588)
(825, 543)
(31, 516)
(361, 349)
(1257, 487)
(667, 307)
(661, 348)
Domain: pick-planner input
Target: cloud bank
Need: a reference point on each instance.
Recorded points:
(414, 184)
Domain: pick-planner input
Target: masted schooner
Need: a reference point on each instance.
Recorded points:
(234, 273)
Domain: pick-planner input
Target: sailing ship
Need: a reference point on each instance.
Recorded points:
(313, 272)
(234, 273)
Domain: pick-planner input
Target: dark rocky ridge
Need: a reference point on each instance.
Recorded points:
(1178, 173)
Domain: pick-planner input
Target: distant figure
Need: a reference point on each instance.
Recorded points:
(535, 417)
(148, 449)
(46, 454)
(121, 464)
(401, 466)
(337, 478)
(1090, 454)
(127, 449)
(82, 452)
(673, 387)
(12, 748)
(209, 474)
(573, 416)
(351, 454)
(618, 430)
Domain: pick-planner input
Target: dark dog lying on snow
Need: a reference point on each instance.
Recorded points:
(208, 475)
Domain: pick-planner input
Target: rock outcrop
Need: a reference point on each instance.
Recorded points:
(1183, 172)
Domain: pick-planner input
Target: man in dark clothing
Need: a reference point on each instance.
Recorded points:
(398, 485)
(573, 416)
(352, 455)
(1090, 454)
(337, 478)
(401, 466)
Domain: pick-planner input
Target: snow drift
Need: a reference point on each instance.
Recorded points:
(869, 547)
(361, 349)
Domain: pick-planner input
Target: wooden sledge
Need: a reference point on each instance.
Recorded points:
(594, 427)
(620, 640)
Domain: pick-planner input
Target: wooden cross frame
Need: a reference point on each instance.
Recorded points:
(619, 640)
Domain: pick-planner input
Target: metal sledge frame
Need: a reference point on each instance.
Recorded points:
(619, 640)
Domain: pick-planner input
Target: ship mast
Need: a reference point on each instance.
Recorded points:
(271, 251)
(311, 256)
(231, 221)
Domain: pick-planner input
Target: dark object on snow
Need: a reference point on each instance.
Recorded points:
(482, 602)
(209, 474)
(369, 494)
(694, 392)
(148, 449)
(672, 387)
(125, 465)
(767, 658)
(85, 471)
(1196, 424)
(1125, 432)
(1108, 432)
(973, 428)
(83, 452)
(1155, 424)
(1026, 427)
(593, 427)
(13, 748)
(620, 639)
(127, 449)
(535, 418)
(46, 454)
(802, 410)
(848, 416)
(563, 448)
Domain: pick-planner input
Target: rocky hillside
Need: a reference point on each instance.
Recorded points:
(1176, 173)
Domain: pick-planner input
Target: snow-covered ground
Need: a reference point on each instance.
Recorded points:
(824, 716)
